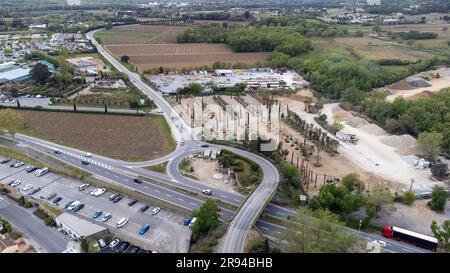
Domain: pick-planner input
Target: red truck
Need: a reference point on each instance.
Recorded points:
(411, 237)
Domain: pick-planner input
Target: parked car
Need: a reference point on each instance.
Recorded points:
(121, 222)
(30, 169)
(27, 187)
(137, 180)
(112, 196)
(133, 249)
(186, 221)
(106, 217)
(4, 161)
(144, 208)
(57, 199)
(78, 208)
(192, 221)
(123, 247)
(117, 198)
(18, 164)
(33, 191)
(14, 183)
(73, 205)
(132, 202)
(67, 205)
(97, 214)
(41, 172)
(83, 186)
(99, 192)
(101, 243)
(144, 229)
(155, 210)
(114, 243)
(207, 192)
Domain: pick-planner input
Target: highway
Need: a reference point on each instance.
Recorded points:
(248, 213)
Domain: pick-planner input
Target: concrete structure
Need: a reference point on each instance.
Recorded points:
(76, 227)
(86, 65)
(11, 73)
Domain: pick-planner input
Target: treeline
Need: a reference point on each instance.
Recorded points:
(412, 117)
(284, 40)
(414, 35)
(222, 16)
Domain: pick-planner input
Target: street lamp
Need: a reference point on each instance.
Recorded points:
(360, 222)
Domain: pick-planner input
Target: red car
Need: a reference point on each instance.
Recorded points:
(219, 209)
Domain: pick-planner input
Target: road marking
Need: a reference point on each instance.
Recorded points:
(264, 228)
(168, 195)
(116, 176)
(192, 203)
(157, 191)
(280, 213)
(236, 200)
(180, 199)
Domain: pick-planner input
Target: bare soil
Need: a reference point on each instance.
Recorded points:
(122, 137)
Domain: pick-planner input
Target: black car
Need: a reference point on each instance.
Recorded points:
(143, 251)
(136, 180)
(118, 246)
(123, 247)
(6, 160)
(117, 198)
(57, 199)
(144, 208)
(78, 208)
(133, 249)
(58, 152)
(204, 145)
(132, 202)
(34, 190)
(85, 162)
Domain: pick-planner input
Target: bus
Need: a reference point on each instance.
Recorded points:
(411, 237)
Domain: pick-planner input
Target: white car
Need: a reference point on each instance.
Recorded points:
(99, 192)
(83, 186)
(18, 164)
(381, 243)
(155, 210)
(88, 155)
(27, 187)
(15, 183)
(73, 205)
(114, 243)
(122, 222)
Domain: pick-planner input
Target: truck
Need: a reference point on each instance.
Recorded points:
(347, 137)
(411, 237)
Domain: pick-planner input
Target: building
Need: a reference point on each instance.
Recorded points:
(41, 26)
(9, 72)
(373, 2)
(85, 65)
(77, 228)
(8, 245)
(224, 72)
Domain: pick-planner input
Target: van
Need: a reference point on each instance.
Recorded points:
(41, 172)
(144, 229)
(83, 186)
(121, 222)
(192, 221)
(73, 205)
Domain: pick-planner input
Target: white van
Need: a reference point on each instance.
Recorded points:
(41, 172)
(73, 205)
(121, 222)
(192, 221)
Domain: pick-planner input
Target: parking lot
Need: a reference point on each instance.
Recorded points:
(167, 232)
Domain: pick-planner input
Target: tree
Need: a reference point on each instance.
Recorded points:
(40, 73)
(439, 170)
(442, 233)
(10, 121)
(322, 232)
(336, 127)
(380, 197)
(429, 144)
(124, 58)
(351, 180)
(409, 197)
(207, 219)
(438, 199)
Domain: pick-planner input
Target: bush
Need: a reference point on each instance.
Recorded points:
(409, 197)
(15, 234)
(438, 199)
(49, 221)
(351, 181)
(40, 213)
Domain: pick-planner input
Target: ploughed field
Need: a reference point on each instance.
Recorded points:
(130, 138)
(155, 46)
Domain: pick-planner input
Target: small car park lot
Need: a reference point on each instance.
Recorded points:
(167, 232)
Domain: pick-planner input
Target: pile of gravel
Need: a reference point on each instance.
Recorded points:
(399, 141)
(418, 82)
(373, 129)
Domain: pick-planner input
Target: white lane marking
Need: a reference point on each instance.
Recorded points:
(169, 195)
(180, 199)
(192, 203)
(236, 200)
(157, 191)
(264, 228)
(280, 213)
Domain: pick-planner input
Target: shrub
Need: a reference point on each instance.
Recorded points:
(438, 199)
(49, 221)
(409, 197)
(15, 234)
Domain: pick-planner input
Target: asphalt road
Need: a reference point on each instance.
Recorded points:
(33, 228)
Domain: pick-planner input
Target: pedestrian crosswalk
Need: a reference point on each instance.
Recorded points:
(93, 161)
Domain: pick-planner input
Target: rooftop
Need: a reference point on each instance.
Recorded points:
(78, 225)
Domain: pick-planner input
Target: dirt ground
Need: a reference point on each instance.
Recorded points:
(205, 169)
(122, 137)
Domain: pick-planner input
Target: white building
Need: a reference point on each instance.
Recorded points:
(76, 227)
(373, 2)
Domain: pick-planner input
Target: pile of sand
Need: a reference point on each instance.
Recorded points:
(357, 122)
(373, 129)
(422, 95)
(401, 85)
(399, 141)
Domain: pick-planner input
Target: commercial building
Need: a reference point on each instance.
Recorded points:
(77, 228)
(9, 72)
(85, 65)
